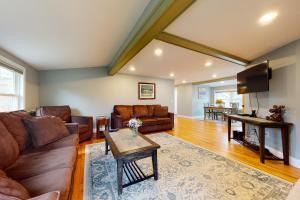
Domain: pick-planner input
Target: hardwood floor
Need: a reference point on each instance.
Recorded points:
(210, 135)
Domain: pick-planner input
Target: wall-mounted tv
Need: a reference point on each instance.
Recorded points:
(254, 79)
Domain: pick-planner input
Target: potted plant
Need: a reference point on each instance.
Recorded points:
(220, 102)
(134, 124)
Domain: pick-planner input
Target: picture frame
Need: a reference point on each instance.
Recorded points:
(146, 91)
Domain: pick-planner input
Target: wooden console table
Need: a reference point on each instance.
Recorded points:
(263, 124)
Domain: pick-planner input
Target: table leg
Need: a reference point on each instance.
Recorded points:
(154, 164)
(262, 144)
(106, 147)
(285, 144)
(120, 176)
(229, 127)
(244, 127)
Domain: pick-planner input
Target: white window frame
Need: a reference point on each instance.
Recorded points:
(21, 87)
(227, 90)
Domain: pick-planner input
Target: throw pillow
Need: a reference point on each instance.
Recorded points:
(45, 130)
(161, 111)
(9, 149)
(11, 189)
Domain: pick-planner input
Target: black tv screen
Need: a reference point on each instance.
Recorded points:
(254, 79)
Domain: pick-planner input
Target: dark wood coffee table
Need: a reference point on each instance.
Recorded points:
(127, 149)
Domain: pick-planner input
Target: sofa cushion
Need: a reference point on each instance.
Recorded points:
(15, 126)
(164, 120)
(126, 112)
(48, 196)
(83, 128)
(148, 121)
(140, 111)
(151, 109)
(45, 130)
(12, 188)
(32, 164)
(125, 123)
(161, 111)
(9, 149)
(56, 180)
(63, 112)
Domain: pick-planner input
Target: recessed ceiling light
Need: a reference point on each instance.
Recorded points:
(214, 75)
(132, 68)
(158, 52)
(172, 74)
(208, 64)
(183, 81)
(268, 18)
(222, 82)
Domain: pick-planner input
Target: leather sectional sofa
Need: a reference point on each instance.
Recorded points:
(85, 123)
(42, 170)
(154, 117)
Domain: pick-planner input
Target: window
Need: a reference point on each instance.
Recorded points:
(229, 96)
(11, 89)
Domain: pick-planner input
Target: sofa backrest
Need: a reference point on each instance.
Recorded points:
(63, 112)
(139, 111)
(9, 149)
(14, 124)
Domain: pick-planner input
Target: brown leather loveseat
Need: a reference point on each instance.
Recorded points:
(154, 117)
(64, 112)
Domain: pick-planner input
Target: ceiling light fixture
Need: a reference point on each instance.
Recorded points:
(132, 68)
(158, 52)
(214, 75)
(183, 81)
(268, 18)
(208, 64)
(222, 82)
(172, 74)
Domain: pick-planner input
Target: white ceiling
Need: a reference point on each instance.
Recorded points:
(185, 64)
(232, 25)
(50, 34)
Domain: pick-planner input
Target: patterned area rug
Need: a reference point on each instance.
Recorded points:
(185, 171)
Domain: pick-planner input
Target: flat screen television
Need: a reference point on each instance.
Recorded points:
(254, 79)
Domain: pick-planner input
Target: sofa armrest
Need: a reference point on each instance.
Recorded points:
(171, 115)
(116, 121)
(48, 196)
(82, 119)
(73, 128)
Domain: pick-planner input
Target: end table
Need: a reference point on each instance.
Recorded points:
(101, 122)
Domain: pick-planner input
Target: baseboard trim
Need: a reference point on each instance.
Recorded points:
(190, 117)
(293, 161)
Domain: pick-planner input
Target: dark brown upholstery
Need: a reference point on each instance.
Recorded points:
(64, 112)
(40, 170)
(12, 188)
(154, 117)
(45, 130)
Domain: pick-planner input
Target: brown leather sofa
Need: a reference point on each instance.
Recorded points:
(64, 112)
(40, 170)
(154, 117)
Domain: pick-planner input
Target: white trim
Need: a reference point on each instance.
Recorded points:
(190, 117)
(293, 161)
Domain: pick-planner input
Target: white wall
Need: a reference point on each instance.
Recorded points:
(90, 91)
(31, 82)
(284, 89)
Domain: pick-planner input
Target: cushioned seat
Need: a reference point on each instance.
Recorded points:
(56, 180)
(163, 120)
(36, 163)
(149, 121)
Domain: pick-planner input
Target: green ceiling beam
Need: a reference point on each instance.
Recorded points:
(156, 17)
(188, 44)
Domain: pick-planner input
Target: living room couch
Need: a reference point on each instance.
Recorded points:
(154, 117)
(85, 123)
(46, 169)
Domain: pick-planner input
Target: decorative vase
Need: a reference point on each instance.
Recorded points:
(134, 132)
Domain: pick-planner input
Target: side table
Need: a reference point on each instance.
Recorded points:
(101, 122)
